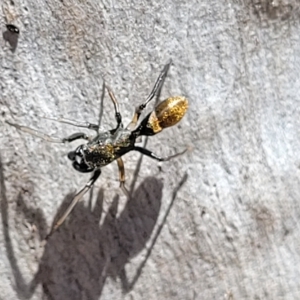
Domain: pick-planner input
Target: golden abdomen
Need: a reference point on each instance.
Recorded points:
(167, 113)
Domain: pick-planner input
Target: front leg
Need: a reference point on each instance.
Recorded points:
(75, 200)
(49, 138)
(74, 123)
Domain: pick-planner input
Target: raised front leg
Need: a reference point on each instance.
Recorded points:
(74, 123)
(48, 138)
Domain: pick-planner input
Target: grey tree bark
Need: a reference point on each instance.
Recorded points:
(220, 222)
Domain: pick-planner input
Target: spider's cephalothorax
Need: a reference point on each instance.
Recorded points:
(102, 150)
(111, 145)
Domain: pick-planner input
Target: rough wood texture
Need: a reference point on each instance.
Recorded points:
(220, 222)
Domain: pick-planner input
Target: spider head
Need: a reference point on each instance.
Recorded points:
(79, 163)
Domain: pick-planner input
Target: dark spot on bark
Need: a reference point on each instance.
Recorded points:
(269, 10)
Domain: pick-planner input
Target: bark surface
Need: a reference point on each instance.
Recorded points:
(221, 221)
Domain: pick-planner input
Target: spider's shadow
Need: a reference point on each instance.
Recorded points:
(81, 255)
(12, 39)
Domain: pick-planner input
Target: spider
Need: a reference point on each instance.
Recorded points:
(111, 145)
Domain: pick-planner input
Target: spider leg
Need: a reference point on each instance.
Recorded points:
(74, 123)
(116, 107)
(122, 177)
(48, 138)
(75, 200)
(76, 136)
(154, 156)
(157, 86)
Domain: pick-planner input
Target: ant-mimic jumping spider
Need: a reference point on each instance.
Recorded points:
(111, 145)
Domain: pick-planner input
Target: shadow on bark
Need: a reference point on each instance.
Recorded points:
(81, 255)
(12, 39)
